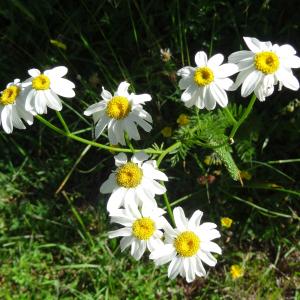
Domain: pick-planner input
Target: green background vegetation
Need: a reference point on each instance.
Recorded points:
(53, 222)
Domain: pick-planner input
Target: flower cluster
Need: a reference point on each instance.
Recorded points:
(23, 100)
(135, 182)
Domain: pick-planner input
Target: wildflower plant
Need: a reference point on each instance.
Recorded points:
(137, 181)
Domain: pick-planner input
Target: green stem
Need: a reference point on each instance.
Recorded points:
(62, 121)
(243, 117)
(229, 115)
(92, 143)
(168, 206)
(165, 152)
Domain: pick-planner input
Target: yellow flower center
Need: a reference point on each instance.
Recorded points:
(41, 82)
(118, 108)
(203, 76)
(143, 228)
(9, 95)
(266, 62)
(187, 244)
(129, 175)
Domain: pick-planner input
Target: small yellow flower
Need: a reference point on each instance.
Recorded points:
(183, 120)
(236, 271)
(226, 222)
(166, 131)
(245, 175)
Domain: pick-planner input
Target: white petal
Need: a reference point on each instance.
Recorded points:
(241, 78)
(108, 185)
(118, 130)
(224, 83)
(208, 226)
(140, 99)
(180, 219)
(215, 60)
(131, 129)
(125, 242)
(288, 79)
(207, 258)
(175, 267)
(251, 82)
(140, 250)
(195, 219)
(189, 267)
(123, 89)
(40, 102)
(100, 126)
(218, 94)
(53, 100)
(139, 157)
(226, 70)
(57, 72)
(129, 198)
(186, 71)
(34, 72)
(120, 159)
(6, 119)
(111, 136)
(188, 93)
(210, 101)
(286, 50)
(292, 61)
(115, 200)
(201, 59)
(146, 126)
(63, 87)
(208, 235)
(239, 55)
(153, 186)
(153, 173)
(17, 122)
(119, 232)
(200, 271)
(94, 108)
(185, 82)
(211, 247)
(253, 44)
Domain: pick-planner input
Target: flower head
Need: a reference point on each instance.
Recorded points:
(166, 131)
(142, 228)
(264, 66)
(165, 54)
(182, 120)
(44, 88)
(226, 222)
(236, 271)
(133, 181)
(12, 107)
(120, 113)
(205, 85)
(187, 245)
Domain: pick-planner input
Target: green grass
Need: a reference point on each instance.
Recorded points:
(53, 221)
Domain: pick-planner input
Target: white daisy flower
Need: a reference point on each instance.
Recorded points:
(133, 181)
(120, 113)
(141, 229)
(205, 85)
(264, 66)
(12, 107)
(187, 246)
(44, 89)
